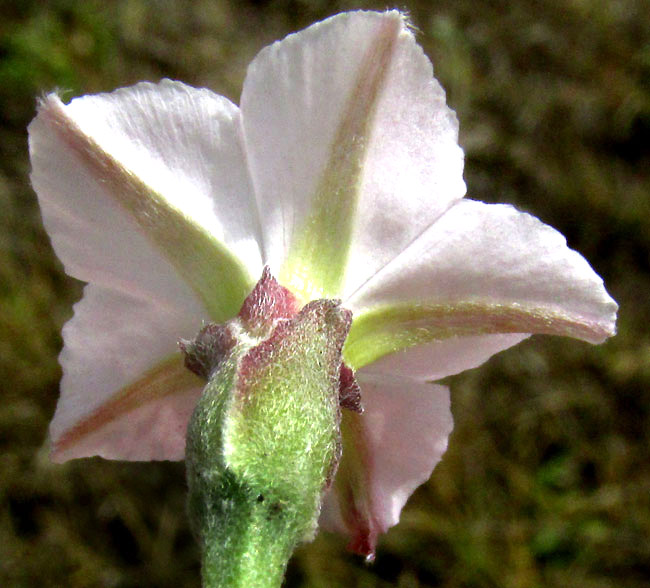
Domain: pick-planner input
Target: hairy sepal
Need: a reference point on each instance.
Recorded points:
(264, 441)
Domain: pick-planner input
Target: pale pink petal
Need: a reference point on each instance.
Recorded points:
(481, 279)
(145, 194)
(338, 119)
(146, 188)
(136, 425)
(125, 393)
(495, 254)
(439, 359)
(388, 451)
(184, 143)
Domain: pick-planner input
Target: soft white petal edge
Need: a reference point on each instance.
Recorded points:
(110, 343)
(297, 93)
(155, 430)
(186, 144)
(439, 359)
(406, 424)
(91, 233)
(494, 255)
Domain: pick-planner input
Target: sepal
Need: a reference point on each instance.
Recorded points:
(264, 442)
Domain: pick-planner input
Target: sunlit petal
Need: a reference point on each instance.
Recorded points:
(480, 270)
(146, 183)
(336, 118)
(145, 194)
(125, 393)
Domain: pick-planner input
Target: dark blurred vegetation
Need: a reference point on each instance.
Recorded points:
(547, 479)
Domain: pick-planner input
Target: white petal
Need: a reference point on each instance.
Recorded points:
(388, 452)
(145, 194)
(439, 359)
(492, 252)
(338, 119)
(480, 270)
(185, 143)
(152, 430)
(112, 343)
(147, 184)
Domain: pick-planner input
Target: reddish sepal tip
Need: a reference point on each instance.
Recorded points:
(267, 302)
(208, 349)
(349, 390)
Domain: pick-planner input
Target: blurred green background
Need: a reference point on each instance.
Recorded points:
(547, 478)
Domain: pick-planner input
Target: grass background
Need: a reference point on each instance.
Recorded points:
(547, 478)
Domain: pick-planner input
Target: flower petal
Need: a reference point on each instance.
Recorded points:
(145, 194)
(125, 393)
(387, 453)
(446, 357)
(336, 119)
(163, 167)
(480, 270)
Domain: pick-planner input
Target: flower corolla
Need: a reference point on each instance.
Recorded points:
(341, 171)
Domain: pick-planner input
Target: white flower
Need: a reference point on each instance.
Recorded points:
(341, 171)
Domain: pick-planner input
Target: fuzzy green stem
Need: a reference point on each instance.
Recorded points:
(250, 544)
(246, 535)
(263, 443)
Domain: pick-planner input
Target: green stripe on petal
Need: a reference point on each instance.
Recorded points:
(214, 273)
(318, 255)
(387, 329)
(168, 378)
